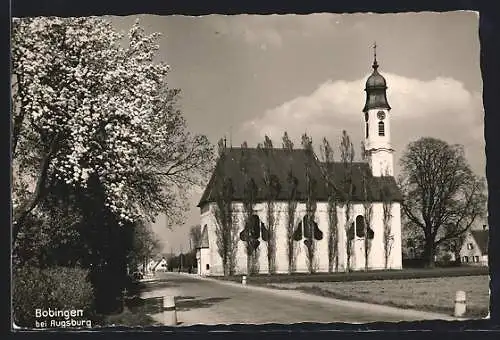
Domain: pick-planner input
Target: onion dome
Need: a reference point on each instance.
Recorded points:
(375, 88)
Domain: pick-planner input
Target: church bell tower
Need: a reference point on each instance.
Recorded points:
(378, 147)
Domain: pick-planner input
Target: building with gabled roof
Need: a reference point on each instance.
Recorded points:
(290, 171)
(474, 249)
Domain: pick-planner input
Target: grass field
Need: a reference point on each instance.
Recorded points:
(429, 294)
(407, 273)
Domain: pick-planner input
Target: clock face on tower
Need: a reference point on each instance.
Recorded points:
(381, 115)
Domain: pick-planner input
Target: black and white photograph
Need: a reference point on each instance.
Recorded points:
(175, 170)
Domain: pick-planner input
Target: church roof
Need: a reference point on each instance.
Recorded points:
(280, 162)
(204, 238)
(481, 238)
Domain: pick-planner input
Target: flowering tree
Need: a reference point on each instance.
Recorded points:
(87, 107)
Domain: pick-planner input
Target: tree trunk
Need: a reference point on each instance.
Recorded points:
(429, 251)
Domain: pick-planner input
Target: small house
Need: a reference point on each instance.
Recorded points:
(160, 266)
(474, 250)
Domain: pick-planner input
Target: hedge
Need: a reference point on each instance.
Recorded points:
(60, 288)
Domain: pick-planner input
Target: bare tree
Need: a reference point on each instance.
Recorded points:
(251, 232)
(442, 196)
(329, 175)
(292, 183)
(224, 230)
(272, 188)
(368, 209)
(347, 157)
(388, 237)
(311, 204)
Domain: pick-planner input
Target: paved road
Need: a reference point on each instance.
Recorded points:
(207, 301)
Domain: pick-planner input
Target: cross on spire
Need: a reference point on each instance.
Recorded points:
(375, 64)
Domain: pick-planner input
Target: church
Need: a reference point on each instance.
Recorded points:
(360, 242)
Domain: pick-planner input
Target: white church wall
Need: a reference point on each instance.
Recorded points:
(376, 256)
(204, 261)
(281, 238)
(341, 234)
(396, 261)
(321, 251)
(376, 259)
(241, 256)
(300, 259)
(215, 261)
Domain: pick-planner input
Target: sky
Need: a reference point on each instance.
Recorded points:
(245, 76)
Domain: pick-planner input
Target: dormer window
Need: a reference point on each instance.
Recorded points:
(381, 130)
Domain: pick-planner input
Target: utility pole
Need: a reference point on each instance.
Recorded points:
(180, 268)
(191, 255)
(172, 256)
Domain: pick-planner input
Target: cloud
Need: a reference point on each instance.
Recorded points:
(440, 107)
(266, 31)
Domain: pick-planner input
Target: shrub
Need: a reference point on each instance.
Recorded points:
(129, 319)
(59, 288)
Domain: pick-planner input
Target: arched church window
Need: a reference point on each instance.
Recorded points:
(307, 229)
(253, 231)
(381, 131)
(360, 226)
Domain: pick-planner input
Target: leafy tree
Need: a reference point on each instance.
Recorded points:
(84, 106)
(145, 244)
(442, 196)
